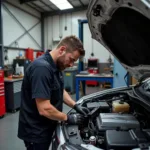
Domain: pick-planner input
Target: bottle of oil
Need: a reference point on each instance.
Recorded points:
(120, 106)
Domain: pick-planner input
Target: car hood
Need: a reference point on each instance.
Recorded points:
(123, 27)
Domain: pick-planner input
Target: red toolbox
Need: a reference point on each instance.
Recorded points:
(29, 54)
(92, 71)
(2, 94)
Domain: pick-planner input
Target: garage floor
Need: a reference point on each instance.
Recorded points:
(9, 127)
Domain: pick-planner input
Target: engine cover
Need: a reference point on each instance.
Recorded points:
(112, 121)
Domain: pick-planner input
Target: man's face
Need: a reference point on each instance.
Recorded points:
(67, 59)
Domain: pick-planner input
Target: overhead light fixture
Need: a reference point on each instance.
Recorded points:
(62, 4)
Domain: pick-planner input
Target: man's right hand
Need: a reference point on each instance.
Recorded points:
(75, 119)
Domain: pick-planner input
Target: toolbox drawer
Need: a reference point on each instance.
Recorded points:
(2, 111)
(2, 87)
(1, 79)
(1, 76)
(1, 84)
(2, 92)
(2, 100)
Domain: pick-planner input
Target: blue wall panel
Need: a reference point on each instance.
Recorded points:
(119, 74)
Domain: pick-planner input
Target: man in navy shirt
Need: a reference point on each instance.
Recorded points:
(43, 94)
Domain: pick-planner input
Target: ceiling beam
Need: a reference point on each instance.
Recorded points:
(25, 1)
(81, 3)
(32, 7)
(19, 48)
(60, 12)
(71, 3)
(37, 6)
(46, 5)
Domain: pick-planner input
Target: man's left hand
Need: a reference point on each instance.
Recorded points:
(82, 110)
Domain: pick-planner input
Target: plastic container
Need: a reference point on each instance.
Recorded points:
(120, 106)
(92, 140)
(17, 65)
(20, 54)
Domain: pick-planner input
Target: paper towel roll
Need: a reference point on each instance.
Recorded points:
(20, 70)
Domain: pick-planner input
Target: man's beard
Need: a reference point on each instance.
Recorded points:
(60, 63)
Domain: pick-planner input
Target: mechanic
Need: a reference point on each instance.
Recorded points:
(43, 94)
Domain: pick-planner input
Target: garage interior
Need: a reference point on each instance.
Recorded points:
(28, 28)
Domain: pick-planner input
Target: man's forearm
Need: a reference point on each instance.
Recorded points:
(68, 100)
(52, 113)
(47, 110)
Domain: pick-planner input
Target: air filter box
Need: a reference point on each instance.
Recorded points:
(113, 121)
(103, 106)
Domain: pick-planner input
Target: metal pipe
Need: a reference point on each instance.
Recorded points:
(18, 48)
(26, 1)
(37, 6)
(33, 8)
(71, 3)
(42, 33)
(46, 5)
(20, 24)
(60, 12)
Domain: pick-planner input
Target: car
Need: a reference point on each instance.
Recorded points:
(119, 118)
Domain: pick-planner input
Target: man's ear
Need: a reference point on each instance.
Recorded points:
(62, 50)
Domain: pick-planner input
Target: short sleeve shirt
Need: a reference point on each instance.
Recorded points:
(42, 80)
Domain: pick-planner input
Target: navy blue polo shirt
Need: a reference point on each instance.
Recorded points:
(42, 80)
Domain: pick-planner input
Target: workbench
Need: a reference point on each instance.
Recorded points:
(92, 77)
(13, 93)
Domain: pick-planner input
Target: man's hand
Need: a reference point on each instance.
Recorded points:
(75, 119)
(82, 110)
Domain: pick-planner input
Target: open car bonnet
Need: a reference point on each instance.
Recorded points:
(123, 27)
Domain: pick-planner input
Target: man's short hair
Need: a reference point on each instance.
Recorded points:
(72, 43)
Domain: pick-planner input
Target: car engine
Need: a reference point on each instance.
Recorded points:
(116, 121)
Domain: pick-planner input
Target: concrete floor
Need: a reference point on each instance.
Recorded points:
(9, 127)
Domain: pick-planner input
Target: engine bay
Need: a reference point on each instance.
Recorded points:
(116, 121)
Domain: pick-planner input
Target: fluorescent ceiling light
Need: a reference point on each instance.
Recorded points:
(62, 4)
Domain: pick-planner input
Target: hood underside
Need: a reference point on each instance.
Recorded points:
(123, 27)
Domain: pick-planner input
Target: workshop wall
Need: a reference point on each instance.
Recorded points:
(57, 27)
(12, 28)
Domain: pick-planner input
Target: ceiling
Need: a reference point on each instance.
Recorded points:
(45, 6)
